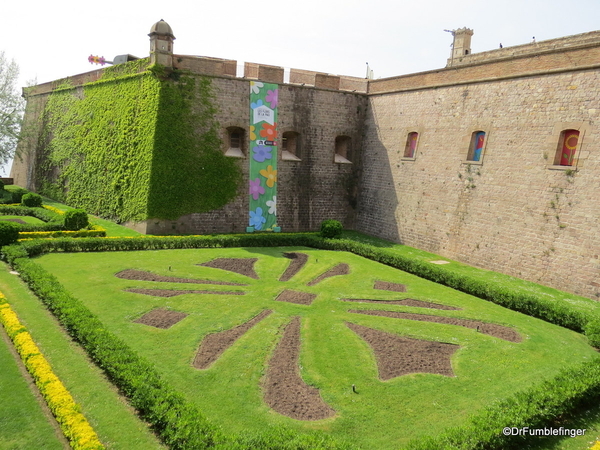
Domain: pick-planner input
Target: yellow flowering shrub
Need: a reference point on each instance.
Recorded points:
(596, 446)
(95, 231)
(53, 209)
(73, 424)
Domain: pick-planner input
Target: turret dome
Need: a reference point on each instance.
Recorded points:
(161, 28)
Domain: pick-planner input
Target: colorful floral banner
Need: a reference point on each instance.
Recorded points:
(263, 155)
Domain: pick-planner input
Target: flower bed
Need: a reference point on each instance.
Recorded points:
(72, 422)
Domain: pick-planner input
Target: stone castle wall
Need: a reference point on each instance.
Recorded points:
(309, 191)
(513, 213)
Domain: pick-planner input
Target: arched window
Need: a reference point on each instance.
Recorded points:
(567, 147)
(411, 145)
(343, 150)
(476, 147)
(236, 142)
(290, 146)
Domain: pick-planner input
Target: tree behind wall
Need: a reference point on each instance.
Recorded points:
(11, 108)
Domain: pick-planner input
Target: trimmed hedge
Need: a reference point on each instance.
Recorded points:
(54, 221)
(32, 200)
(331, 229)
(72, 422)
(541, 406)
(95, 231)
(179, 424)
(9, 233)
(175, 420)
(75, 219)
(556, 311)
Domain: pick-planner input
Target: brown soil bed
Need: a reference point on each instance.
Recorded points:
(173, 292)
(243, 266)
(142, 275)
(405, 302)
(499, 331)
(161, 318)
(387, 286)
(284, 389)
(213, 345)
(21, 221)
(397, 356)
(298, 260)
(298, 297)
(340, 269)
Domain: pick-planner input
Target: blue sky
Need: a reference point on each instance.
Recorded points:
(51, 40)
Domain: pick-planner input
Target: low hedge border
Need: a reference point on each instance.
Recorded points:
(556, 311)
(539, 406)
(95, 231)
(178, 423)
(73, 423)
(54, 221)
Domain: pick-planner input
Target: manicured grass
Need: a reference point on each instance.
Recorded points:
(383, 414)
(23, 425)
(112, 229)
(115, 422)
(588, 420)
(578, 302)
(28, 219)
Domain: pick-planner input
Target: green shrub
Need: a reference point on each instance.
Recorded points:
(54, 221)
(76, 219)
(181, 425)
(17, 194)
(592, 331)
(32, 200)
(331, 229)
(9, 233)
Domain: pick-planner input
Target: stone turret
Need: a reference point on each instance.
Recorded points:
(161, 44)
(461, 45)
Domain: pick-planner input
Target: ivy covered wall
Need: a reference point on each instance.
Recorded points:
(190, 173)
(135, 145)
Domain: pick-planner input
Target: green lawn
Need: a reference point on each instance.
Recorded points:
(385, 414)
(23, 425)
(112, 229)
(115, 422)
(27, 219)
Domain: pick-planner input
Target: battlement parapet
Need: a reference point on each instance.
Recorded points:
(75, 80)
(206, 65)
(263, 72)
(328, 81)
(551, 45)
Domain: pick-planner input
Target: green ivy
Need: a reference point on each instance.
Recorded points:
(135, 145)
(190, 172)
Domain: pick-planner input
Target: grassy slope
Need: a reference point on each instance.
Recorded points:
(385, 414)
(113, 420)
(23, 425)
(579, 302)
(27, 219)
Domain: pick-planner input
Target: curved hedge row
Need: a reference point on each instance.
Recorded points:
(72, 422)
(556, 311)
(181, 425)
(54, 221)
